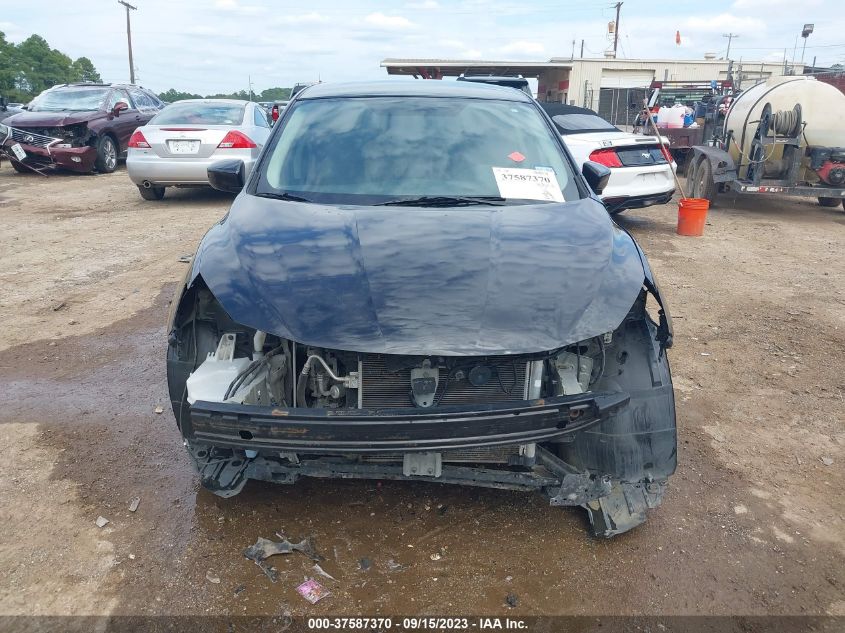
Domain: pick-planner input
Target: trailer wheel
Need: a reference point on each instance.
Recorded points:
(702, 182)
(830, 202)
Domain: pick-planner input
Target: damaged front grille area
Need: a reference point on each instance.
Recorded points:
(386, 381)
(73, 135)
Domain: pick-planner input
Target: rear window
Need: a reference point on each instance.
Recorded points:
(582, 123)
(205, 113)
(376, 149)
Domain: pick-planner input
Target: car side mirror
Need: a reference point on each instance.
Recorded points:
(227, 175)
(596, 176)
(119, 107)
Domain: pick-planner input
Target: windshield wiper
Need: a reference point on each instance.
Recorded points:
(444, 201)
(282, 196)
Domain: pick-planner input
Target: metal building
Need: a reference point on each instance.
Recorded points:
(609, 86)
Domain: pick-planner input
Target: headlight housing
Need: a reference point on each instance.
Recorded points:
(4, 131)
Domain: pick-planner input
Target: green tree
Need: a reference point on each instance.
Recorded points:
(174, 95)
(83, 70)
(274, 94)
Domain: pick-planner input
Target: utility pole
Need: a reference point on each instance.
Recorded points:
(730, 37)
(129, 39)
(571, 57)
(582, 49)
(616, 29)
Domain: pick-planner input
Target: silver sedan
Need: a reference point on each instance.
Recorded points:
(179, 144)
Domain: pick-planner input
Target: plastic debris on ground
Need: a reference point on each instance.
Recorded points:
(210, 576)
(323, 572)
(364, 564)
(101, 522)
(265, 548)
(313, 591)
(511, 600)
(159, 409)
(133, 505)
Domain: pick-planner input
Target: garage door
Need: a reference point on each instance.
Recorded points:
(620, 106)
(626, 78)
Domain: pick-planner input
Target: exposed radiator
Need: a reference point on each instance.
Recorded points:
(383, 388)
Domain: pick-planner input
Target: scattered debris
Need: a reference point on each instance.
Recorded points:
(186, 259)
(59, 306)
(511, 600)
(133, 505)
(313, 591)
(73, 322)
(827, 461)
(435, 556)
(705, 353)
(441, 509)
(240, 589)
(508, 578)
(159, 409)
(364, 564)
(740, 509)
(101, 522)
(211, 577)
(392, 565)
(132, 557)
(265, 548)
(323, 572)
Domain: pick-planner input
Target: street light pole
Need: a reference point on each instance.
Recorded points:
(129, 39)
(805, 33)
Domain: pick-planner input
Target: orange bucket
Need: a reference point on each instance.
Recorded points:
(692, 214)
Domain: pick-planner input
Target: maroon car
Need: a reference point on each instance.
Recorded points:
(81, 127)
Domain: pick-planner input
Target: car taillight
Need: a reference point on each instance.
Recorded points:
(138, 141)
(606, 157)
(666, 154)
(236, 140)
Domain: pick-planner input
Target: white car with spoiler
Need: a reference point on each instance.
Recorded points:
(641, 174)
(179, 144)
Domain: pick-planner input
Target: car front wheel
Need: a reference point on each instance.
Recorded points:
(151, 193)
(106, 161)
(830, 202)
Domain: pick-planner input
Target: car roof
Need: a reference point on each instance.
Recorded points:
(230, 101)
(413, 88)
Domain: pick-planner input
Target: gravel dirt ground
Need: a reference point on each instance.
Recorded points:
(753, 523)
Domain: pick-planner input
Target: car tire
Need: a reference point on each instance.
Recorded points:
(830, 202)
(20, 167)
(107, 152)
(692, 167)
(703, 186)
(152, 193)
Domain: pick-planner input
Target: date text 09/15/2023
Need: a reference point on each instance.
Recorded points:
(418, 624)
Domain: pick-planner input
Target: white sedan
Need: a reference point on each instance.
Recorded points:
(179, 144)
(640, 170)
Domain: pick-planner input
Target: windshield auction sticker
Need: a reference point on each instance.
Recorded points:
(527, 184)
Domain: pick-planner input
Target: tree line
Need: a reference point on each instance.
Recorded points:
(32, 66)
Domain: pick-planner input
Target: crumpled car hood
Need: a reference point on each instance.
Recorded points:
(50, 119)
(398, 280)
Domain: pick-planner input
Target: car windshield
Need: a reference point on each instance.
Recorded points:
(204, 113)
(73, 99)
(388, 149)
(582, 123)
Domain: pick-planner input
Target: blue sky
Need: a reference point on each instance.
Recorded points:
(214, 45)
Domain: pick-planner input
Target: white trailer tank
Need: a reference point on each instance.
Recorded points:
(822, 109)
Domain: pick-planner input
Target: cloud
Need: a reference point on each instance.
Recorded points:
(771, 4)
(523, 47)
(235, 7)
(304, 18)
(426, 5)
(391, 22)
(723, 22)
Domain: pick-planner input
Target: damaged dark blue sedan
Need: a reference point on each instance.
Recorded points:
(415, 282)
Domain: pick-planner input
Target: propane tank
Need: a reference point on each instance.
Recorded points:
(822, 108)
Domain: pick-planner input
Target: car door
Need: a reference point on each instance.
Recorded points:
(125, 123)
(261, 124)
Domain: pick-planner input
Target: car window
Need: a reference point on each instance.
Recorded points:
(117, 96)
(371, 150)
(209, 113)
(142, 100)
(582, 123)
(71, 98)
(260, 117)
